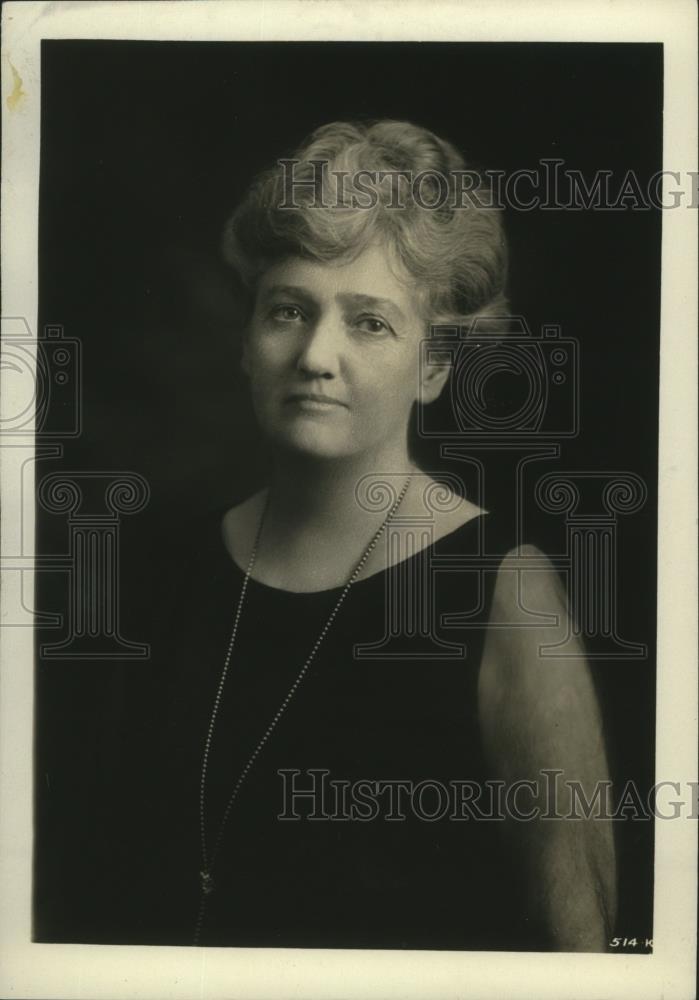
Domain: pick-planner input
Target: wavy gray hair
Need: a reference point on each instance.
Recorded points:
(456, 251)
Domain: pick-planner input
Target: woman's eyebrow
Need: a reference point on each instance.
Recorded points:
(294, 290)
(352, 299)
(371, 302)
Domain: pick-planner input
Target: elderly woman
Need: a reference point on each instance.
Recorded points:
(329, 773)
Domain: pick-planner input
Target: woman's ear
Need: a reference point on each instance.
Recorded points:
(435, 373)
(245, 353)
(244, 358)
(246, 321)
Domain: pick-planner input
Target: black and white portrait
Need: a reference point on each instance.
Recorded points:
(337, 445)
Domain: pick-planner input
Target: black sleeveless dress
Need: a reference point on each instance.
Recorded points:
(368, 819)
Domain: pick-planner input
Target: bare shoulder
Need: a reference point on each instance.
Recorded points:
(529, 695)
(239, 525)
(527, 587)
(528, 620)
(539, 715)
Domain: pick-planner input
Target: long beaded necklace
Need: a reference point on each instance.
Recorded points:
(209, 857)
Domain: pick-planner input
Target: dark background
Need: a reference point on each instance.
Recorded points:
(145, 149)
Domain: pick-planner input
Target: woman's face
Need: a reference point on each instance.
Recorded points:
(332, 352)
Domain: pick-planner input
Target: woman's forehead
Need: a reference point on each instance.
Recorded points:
(374, 274)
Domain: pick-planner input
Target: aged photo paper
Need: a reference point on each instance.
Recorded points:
(348, 479)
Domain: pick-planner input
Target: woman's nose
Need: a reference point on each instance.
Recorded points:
(320, 352)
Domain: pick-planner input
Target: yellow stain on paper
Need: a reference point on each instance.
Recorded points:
(14, 100)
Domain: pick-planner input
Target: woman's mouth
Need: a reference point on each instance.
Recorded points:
(315, 402)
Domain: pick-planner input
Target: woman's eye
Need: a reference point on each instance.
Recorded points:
(371, 324)
(287, 314)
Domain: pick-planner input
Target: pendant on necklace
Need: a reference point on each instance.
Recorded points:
(207, 883)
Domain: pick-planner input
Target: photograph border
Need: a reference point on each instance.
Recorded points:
(49, 970)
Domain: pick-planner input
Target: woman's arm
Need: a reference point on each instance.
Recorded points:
(540, 713)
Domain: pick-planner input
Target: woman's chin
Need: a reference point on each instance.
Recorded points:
(323, 447)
